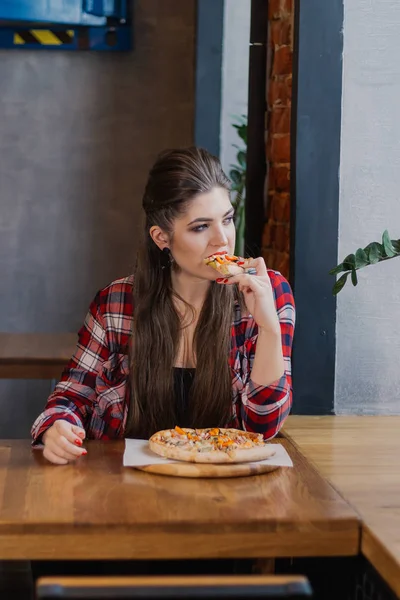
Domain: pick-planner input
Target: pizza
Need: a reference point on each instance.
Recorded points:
(211, 445)
(226, 264)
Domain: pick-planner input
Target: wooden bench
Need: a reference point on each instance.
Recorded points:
(35, 355)
(140, 588)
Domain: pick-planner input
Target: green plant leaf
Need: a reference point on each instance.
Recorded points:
(375, 252)
(349, 262)
(340, 284)
(337, 269)
(238, 177)
(361, 259)
(242, 133)
(241, 128)
(241, 156)
(354, 279)
(235, 176)
(387, 244)
(241, 203)
(396, 245)
(240, 223)
(370, 255)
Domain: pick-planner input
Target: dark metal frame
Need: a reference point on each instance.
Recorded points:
(257, 106)
(315, 149)
(315, 157)
(210, 25)
(317, 96)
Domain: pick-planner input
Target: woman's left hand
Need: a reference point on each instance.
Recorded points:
(258, 294)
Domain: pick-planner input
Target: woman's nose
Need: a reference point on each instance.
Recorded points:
(220, 238)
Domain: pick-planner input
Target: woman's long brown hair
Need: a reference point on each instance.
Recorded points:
(175, 179)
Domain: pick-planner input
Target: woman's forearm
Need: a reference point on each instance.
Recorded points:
(268, 365)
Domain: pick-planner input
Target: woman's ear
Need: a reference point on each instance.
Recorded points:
(159, 237)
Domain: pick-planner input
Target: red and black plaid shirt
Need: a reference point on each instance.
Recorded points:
(94, 388)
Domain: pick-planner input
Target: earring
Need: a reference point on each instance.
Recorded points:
(167, 258)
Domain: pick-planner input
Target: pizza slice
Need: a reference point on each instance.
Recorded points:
(226, 264)
(211, 445)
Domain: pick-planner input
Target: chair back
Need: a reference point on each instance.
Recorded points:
(218, 587)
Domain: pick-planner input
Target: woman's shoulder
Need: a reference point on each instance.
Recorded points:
(114, 305)
(118, 286)
(116, 296)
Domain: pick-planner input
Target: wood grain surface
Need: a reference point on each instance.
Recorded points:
(97, 509)
(360, 456)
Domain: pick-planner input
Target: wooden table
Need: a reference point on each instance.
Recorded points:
(35, 355)
(360, 456)
(97, 509)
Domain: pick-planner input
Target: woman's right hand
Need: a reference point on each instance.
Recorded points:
(63, 442)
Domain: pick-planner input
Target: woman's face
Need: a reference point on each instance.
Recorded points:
(206, 228)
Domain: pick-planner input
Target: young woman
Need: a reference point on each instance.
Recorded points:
(176, 344)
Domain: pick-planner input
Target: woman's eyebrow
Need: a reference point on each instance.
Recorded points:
(204, 219)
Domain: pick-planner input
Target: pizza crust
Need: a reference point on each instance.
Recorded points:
(214, 456)
(228, 268)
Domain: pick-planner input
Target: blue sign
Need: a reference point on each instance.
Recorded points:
(69, 12)
(103, 25)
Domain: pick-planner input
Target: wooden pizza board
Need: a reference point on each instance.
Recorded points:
(186, 469)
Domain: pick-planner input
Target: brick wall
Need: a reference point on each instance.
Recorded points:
(276, 244)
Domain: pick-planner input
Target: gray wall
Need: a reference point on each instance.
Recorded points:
(78, 133)
(368, 316)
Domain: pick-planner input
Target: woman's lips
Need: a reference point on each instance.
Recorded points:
(218, 254)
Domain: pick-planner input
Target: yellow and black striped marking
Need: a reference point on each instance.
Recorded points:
(43, 37)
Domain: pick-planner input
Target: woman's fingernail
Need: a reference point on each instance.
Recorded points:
(240, 262)
(226, 280)
(219, 280)
(78, 442)
(84, 451)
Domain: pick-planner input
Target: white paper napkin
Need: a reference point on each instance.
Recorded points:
(138, 454)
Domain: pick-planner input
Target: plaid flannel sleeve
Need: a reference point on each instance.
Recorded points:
(264, 409)
(73, 396)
